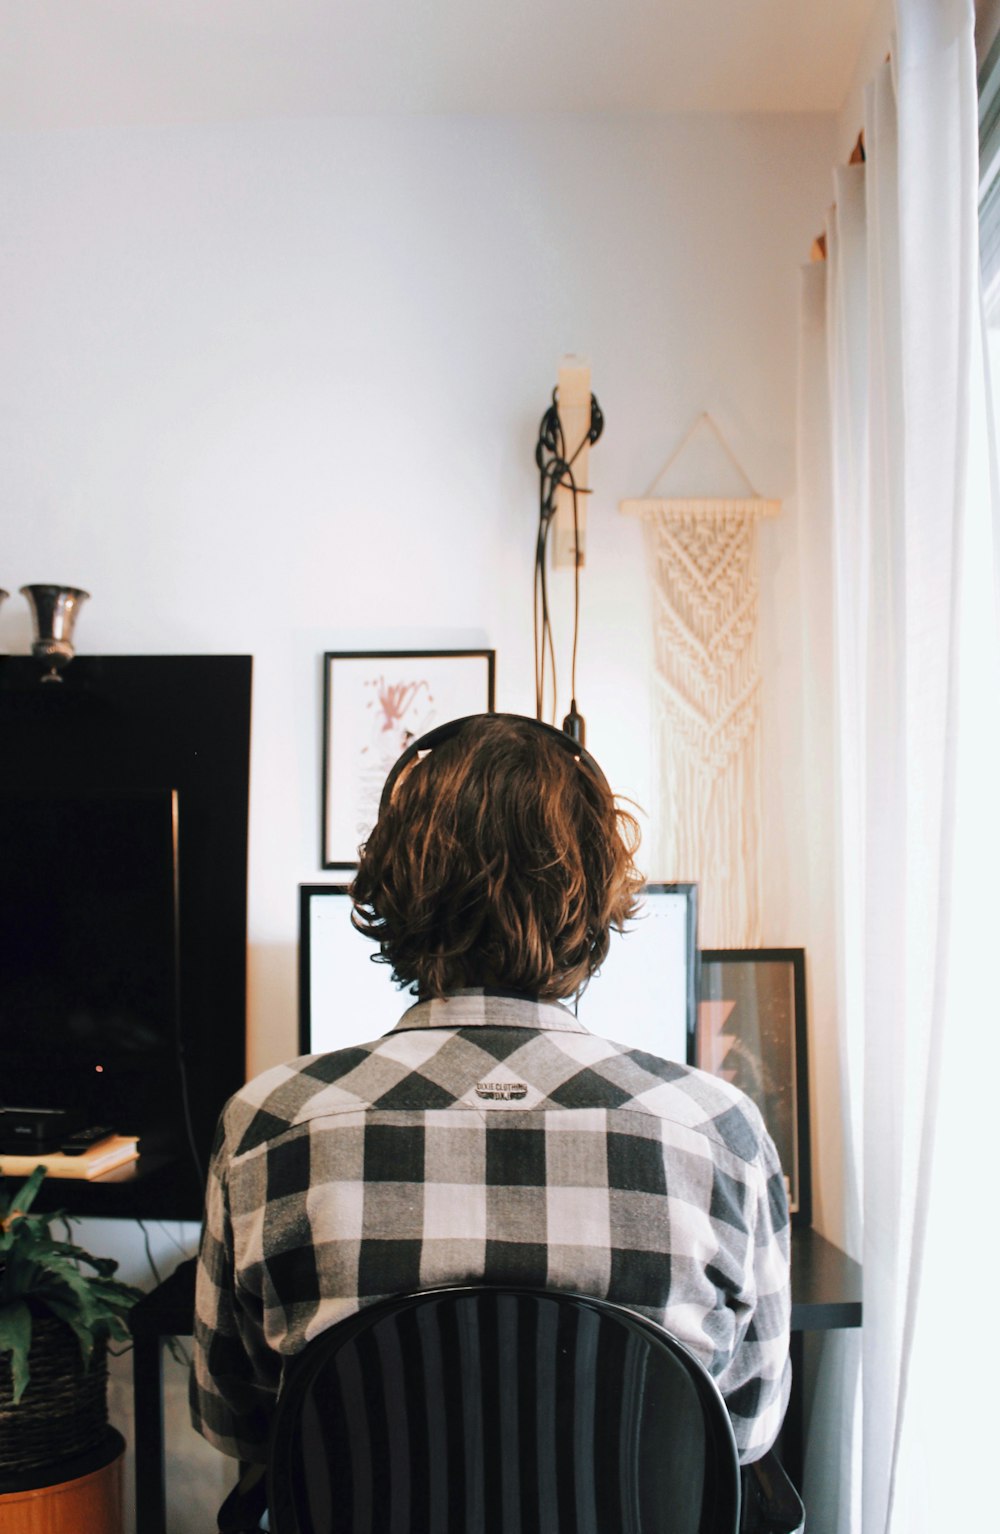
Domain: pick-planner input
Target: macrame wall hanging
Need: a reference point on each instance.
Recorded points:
(702, 553)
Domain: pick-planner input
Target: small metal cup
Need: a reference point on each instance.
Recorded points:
(53, 611)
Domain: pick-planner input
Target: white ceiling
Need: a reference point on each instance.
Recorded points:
(68, 63)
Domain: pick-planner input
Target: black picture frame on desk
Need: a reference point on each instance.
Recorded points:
(752, 1032)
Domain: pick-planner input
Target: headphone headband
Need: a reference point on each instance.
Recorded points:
(444, 732)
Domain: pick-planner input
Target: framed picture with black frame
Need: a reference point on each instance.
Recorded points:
(752, 1031)
(374, 704)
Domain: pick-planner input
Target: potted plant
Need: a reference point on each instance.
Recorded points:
(58, 1308)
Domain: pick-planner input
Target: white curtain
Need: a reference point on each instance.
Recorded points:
(905, 520)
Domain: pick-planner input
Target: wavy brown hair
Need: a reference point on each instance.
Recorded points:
(501, 860)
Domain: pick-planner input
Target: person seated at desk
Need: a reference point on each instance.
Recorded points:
(489, 1138)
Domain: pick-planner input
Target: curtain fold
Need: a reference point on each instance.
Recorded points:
(911, 532)
(832, 1485)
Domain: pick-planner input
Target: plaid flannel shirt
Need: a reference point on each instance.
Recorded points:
(489, 1139)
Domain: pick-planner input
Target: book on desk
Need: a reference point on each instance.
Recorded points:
(103, 1156)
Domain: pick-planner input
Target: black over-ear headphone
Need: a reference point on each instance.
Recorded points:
(443, 732)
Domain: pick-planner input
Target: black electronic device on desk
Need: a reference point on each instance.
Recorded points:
(36, 1131)
(83, 1140)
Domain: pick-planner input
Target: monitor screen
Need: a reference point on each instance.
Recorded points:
(644, 995)
(88, 966)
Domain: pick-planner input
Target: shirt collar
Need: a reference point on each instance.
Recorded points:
(483, 1008)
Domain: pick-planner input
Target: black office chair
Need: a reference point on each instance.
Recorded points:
(491, 1411)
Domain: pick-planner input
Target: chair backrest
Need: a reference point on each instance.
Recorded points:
(500, 1411)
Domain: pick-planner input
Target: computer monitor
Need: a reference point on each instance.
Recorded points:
(644, 996)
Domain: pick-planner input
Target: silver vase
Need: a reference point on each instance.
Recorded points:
(53, 611)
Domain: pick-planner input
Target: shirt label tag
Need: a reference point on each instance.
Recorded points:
(502, 1091)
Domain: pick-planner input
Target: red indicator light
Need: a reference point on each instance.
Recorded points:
(98, 1067)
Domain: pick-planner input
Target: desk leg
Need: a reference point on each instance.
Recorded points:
(150, 1473)
(792, 1440)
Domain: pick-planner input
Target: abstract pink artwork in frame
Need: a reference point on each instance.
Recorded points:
(375, 704)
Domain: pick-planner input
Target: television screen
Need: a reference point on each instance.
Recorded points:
(644, 995)
(88, 953)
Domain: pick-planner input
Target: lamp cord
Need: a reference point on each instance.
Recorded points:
(576, 591)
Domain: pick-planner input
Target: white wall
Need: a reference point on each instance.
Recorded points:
(274, 389)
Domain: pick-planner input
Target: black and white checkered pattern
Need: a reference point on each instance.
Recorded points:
(489, 1139)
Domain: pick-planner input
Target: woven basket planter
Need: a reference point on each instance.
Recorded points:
(64, 1410)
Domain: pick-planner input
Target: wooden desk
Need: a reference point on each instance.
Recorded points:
(826, 1295)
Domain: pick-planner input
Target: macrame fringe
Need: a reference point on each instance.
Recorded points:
(708, 715)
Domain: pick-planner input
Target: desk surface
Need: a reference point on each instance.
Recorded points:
(826, 1292)
(826, 1284)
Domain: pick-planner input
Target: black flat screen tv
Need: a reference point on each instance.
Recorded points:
(89, 955)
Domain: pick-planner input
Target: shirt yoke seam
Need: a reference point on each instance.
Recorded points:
(339, 1110)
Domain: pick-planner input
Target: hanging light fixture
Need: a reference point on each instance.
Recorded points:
(570, 425)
